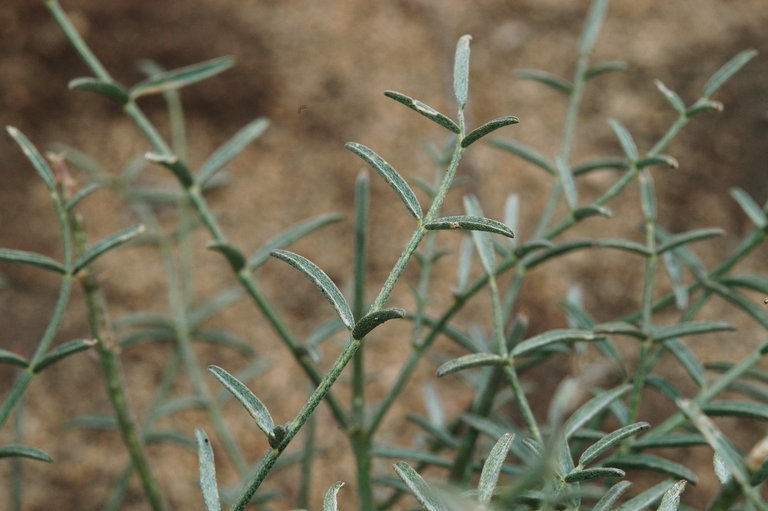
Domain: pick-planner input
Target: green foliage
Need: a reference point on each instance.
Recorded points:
(518, 463)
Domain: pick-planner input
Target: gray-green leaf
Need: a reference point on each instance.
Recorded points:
(671, 499)
(390, 175)
(492, 467)
(63, 351)
(551, 80)
(109, 89)
(609, 441)
(34, 156)
(208, 483)
(23, 451)
(243, 394)
(525, 152)
(750, 207)
(672, 97)
(181, 77)
(323, 282)
(31, 258)
(291, 235)
(611, 496)
(424, 109)
(329, 501)
(106, 245)
(654, 464)
(576, 476)
(234, 146)
(418, 487)
(729, 69)
(488, 127)
(537, 342)
(625, 139)
(470, 223)
(461, 71)
(471, 360)
(569, 184)
(374, 319)
(11, 358)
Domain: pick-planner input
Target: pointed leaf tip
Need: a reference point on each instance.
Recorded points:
(322, 281)
(374, 319)
(329, 502)
(247, 398)
(424, 109)
(488, 127)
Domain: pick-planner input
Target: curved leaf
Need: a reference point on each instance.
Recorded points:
(729, 408)
(525, 152)
(233, 147)
(591, 210)
(654, 464)
(63, 351)
(208, 483)
(329, 501)
(671, 499)
(729, 69)
(576, 476)
(642, 501)
(611, 496)
(323, 282)
(470, 361)
(235, 258)
(750, 207)
(109, 89)
(490, 126)
(537, 342)
(591, 408)
(605, 67)
(34, 156)
(172, 163)
(492, 467)
(418, 487)
(374, 319)
(551, 80)
(31, 258)
(424, 109)
(181, 77)
(11, 358)
(23, 451)
(627, 245)
(569, 184)
(609, 441)
(691, 328)
(106, 245)
(671, 97)
(469, 223)
(688, 237)
(243, 394)
(390, 175)
(625, 139)
(659, 159)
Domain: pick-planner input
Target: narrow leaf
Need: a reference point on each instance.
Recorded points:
(525, 152)
(234, 146)
(569, 184)
(323, 282)
(658, 159)
(592, 26)
(613, 494)
(750, 207)
(689, 237)
(439, 433)
(605, 67)
(235, 258)
(591, 210)
(243, 394)
(208, 483)
(601, 164)
(647, 196)
(674, 268)
(681, 440)
(688, 360)
(11, 358)
(746, 409)
(671, 499)
(540, 341)
(739, 300)
(609, 441)
(63, 351)
(31, 258)
(461, 71)
(620, 328)
(424, 109)
(671, 97)
(470, 223)
(106, 245)
(492, 467)
(374, 319)
(291, 235)
(654, 464)
(723, 74)
(34, 156)
(181, 77)
(627, 245)
(23, 451)
(488, 127)
(716, 439)
(390, 175)
(471, 360)
(691, 328)
(415, 483)
(329, 501)
(625, 139)
(81, 194)
(646, 498)
(591, 408)
(551, 80)
(109, 89)
(576, 476)
(702, 106)
(464, 266)
(172, 163)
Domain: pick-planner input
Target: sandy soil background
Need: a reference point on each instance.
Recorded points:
(317, 70)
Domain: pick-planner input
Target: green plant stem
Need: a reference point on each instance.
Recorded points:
(108, 350)
(307, 463)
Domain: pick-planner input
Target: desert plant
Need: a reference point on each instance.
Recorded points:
(575, 456)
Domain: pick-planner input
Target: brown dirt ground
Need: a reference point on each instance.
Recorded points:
(317, 70)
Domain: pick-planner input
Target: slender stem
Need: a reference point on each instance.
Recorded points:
(307, 463)
(108, 350)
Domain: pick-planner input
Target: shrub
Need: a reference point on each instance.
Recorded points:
(573, 452)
